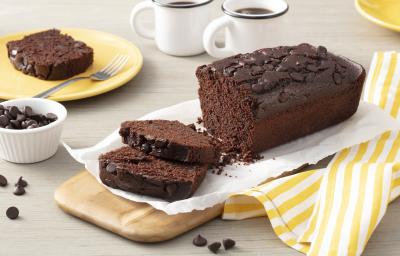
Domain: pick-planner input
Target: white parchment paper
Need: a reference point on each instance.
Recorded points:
(367, 123)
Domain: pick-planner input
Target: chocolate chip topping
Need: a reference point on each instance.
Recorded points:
(266, 69)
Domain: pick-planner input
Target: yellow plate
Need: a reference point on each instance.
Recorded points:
(15, 84)
(385, 13)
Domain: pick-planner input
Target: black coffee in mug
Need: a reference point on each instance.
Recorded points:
(254, 11)
(182, 3)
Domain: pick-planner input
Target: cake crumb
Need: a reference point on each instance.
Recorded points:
(199, 120)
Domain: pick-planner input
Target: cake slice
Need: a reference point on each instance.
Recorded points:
(132, 170)
(259, 100)
(169, 140)
(50, 55)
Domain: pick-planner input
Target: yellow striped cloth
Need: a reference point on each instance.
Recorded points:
(333, 211)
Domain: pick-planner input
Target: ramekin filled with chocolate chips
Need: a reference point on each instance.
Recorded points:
(30, 129)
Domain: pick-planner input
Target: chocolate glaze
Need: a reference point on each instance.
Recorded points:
(288, 75)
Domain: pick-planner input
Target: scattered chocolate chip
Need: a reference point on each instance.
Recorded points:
(12, 212)
(3, 181)
(21, 182)
(199, 241)
(228, 243)
(199, 120)
(19, 191)
(214, 247)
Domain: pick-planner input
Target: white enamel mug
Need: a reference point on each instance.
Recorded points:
(243, 32)
(179, 24)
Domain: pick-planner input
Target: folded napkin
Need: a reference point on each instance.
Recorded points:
(333, 211)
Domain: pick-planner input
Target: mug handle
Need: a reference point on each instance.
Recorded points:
(133, 20)
(209, 38)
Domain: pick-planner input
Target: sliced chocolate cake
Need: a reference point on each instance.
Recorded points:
(132, 170)
(169, 140)
(50, 55)
(260, 100)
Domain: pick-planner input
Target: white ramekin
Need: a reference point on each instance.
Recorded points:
(33, 145)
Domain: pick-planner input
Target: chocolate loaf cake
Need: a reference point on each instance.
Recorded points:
(169, 140)
(132, 170)
(50, 55)
(260, 100)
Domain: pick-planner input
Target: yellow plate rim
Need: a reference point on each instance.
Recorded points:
(374, 19)
(83, 95)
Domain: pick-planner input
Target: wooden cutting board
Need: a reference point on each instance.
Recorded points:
(82, 196)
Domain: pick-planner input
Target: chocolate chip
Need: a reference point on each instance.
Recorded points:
(171, 188)
(281, 68)
(21, 117)
(4, 121)
(33, 126)
(322, 51)
(283, 97)
(310, 77)
(111, 168)
(14, 111)
(337, 78)
(28, 111)
(160, 143)
(257, 87)
(192, 126)
(21, 182)
(12, 212)
(199, 241)
(146, 147)
(3, 181)
(52, 117)
(297, 77)
(312, 68)
(16, 124)
(214, 247)
(19, 191)
(228, 243)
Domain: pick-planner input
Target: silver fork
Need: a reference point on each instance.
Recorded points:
(111, 69)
